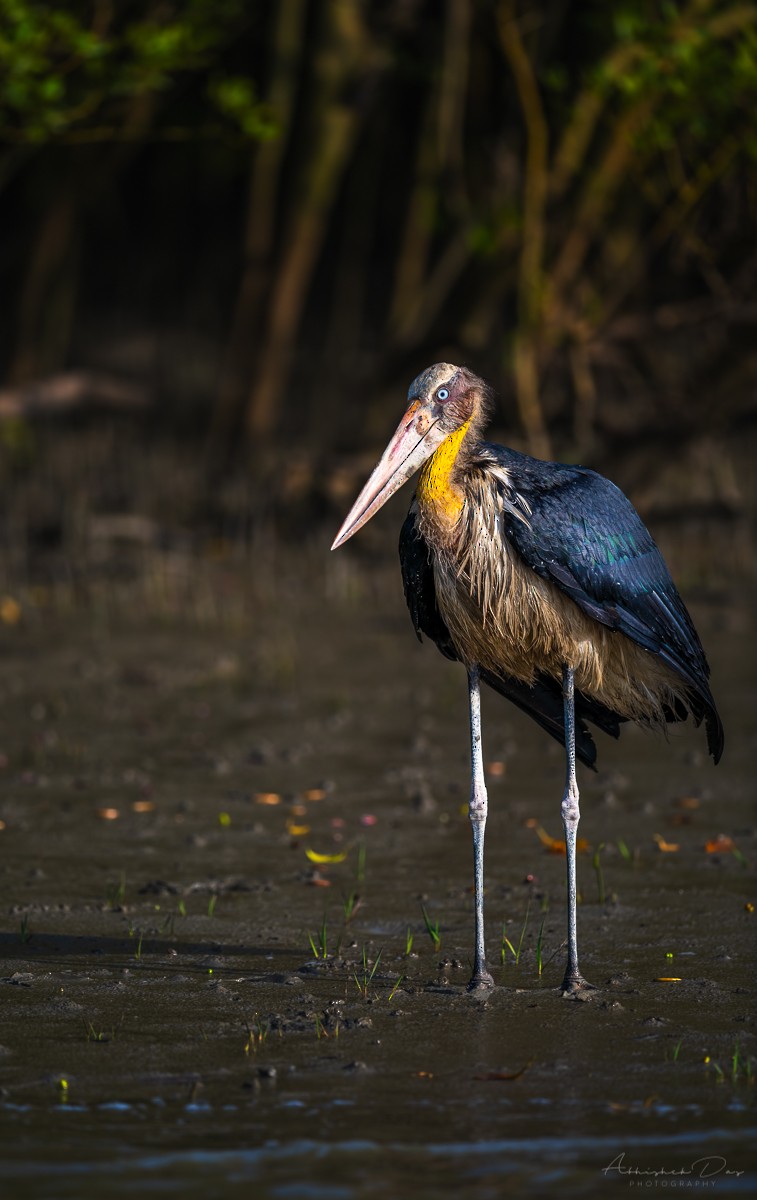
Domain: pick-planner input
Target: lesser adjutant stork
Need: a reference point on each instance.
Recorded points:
(543, 580)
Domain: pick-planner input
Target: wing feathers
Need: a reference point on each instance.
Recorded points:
(542, 702)
(586, 536)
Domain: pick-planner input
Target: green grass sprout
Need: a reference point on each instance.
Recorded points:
(539, 964)
(432, 928)
(318, 941)
(364, 980)
(396, 986)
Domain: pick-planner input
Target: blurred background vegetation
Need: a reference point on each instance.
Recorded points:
(234, 230)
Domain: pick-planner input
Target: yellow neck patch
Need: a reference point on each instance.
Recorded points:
(435, 487)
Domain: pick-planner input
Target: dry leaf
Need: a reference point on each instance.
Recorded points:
(315, 857)
(557, 845)
(297, 830)
(666, 847)
(687, 802)
(722, 844)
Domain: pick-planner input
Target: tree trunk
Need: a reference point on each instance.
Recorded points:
(262, 212)
(343, 57)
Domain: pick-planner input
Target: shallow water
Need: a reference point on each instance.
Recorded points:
(166, 1025)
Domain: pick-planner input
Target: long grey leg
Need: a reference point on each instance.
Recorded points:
(477, 810)
(573, 980)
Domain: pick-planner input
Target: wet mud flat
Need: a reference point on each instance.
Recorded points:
(235, 882)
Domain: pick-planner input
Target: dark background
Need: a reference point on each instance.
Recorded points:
(233, 232)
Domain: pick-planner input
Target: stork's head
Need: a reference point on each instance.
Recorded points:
(441, 400)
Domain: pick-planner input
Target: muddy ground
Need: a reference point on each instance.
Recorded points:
(192, 1006)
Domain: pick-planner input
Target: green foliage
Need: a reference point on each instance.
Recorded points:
(540, 187)
(696, 63)
(235, 97)
(74, 73)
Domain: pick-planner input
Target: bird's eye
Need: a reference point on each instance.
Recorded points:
(442, 394)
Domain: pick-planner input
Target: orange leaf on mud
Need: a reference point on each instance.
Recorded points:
(554, 845)
(143, 805)
(314, 794)
(722, 844)
(108, 814)
(687, 802)
(297, 830)
(666, 847)
(557, 845)
(267, 798)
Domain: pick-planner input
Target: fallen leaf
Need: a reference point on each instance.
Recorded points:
(143, 805)
(267, 798)
(557, 845)
(666, 847)
(554, 845)
(496, 769)
(297, 830)
(315, 857)
(687, 802)
(314, 794)
(722, 844)
(108, 814)
(668, 979)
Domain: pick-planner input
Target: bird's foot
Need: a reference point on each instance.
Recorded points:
(575, 987)
(481, 981)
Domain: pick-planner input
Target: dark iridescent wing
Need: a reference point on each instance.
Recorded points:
(586, 537)
(418, 582)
